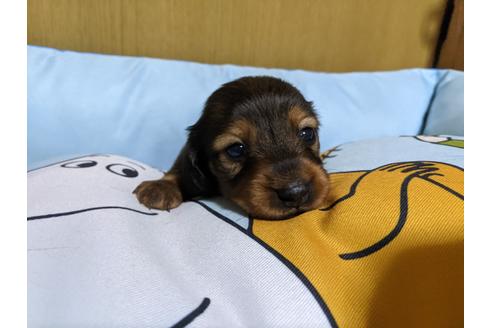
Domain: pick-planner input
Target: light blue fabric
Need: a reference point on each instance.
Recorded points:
(139, 107)
(446, 115)
(372, 153)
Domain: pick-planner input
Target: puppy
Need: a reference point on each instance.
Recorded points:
(256, 143)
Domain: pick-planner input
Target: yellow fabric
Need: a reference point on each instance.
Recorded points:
(415, 278)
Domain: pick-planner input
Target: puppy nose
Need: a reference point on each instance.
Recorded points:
(296, 194)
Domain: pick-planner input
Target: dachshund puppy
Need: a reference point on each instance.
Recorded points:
(256, 143)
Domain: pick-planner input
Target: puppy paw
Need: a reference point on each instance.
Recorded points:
(159, 194)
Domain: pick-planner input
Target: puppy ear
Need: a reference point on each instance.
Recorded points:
(192, 173)
(197, 175)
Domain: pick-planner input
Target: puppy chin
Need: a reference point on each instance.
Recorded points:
(287, 214)
(276, 210)
(275, 214)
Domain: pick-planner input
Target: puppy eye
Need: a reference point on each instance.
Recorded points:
(236, 150)
(307, 134)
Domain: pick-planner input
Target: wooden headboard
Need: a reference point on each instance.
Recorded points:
(323, 35)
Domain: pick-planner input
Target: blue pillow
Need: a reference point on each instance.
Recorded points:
(139, 107)
(446, 114)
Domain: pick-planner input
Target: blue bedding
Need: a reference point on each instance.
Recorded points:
(96, 257)
(81, 103)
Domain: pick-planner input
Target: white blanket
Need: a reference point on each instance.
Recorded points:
(96, 257)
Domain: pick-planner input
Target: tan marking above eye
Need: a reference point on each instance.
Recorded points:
(225, 140)
(239, 131)
(308, 122)
(240, 128)
(300, 118)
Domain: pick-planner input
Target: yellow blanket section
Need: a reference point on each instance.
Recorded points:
(387, 251)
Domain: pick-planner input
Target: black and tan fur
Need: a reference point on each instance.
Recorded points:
(266, 115)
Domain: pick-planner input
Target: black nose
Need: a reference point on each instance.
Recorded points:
(296, 194)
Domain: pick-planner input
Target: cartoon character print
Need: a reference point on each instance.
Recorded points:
(96, 257)
(75, 197)
(387, 251)
(442, 140)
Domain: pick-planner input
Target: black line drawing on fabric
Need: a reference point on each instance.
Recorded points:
(82, 163)
(282, 259)
(115, 168)
(66, 160)
(122, 170)
(133, 163)
(193, 314)
(79, 164)
(297, 273)
(54, 215)
(417, 169)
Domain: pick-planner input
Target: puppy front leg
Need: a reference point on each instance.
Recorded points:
(162, 194)
(187, 178)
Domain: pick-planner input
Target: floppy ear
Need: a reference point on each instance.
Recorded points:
(192, 174)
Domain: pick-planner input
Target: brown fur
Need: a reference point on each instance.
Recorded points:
(266, 115)
(162, 194)
(297, 116)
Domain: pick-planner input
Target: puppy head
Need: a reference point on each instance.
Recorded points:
(260, 140)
